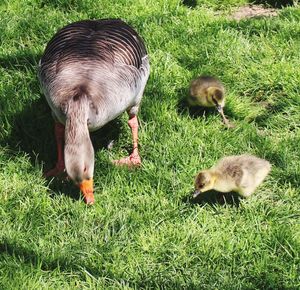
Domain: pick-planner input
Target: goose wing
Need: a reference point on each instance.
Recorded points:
(110, 41)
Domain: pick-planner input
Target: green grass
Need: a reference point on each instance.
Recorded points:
(144, 231)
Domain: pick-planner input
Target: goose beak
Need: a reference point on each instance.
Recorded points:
(87, 188)
(196, 193)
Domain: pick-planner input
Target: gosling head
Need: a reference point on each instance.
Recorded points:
(205, 181)
(216, 97)
(79, 162)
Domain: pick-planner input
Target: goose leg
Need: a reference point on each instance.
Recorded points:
(134, 158)
(59, 168)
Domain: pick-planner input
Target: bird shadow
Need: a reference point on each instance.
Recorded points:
(270, 3)
(184, 109)
(36, 258)
(190, 3)
(213, 198)
(32, 132)
(22, 60)
(274, 3)
(278, 107)
(65, 6)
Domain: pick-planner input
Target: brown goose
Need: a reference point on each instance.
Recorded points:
(91, 72)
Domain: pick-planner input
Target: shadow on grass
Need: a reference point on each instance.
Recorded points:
(212, 198)
(278, 108)
(62, 186)
(282, 174)
(289, 177)
(190, 3)
(33, 133)
(274, 3)
(15, 255)
(183, 108)
(260, 26)
(25, 256)
(32, 129)
(23, 60)
(64, 5)
(29, 256)
(195, 112)
(268, 3)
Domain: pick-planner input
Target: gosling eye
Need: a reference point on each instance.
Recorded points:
(201, 185)
(215, 101)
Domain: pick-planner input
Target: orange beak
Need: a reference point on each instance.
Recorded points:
(87, 188)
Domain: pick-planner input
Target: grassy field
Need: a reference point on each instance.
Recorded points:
(145, 231)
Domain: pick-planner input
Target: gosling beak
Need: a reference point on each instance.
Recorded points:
(219, 108)
(87, 188)
(196, 193)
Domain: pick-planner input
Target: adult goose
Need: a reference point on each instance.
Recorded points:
(91, 72)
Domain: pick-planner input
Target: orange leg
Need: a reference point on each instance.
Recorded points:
(134, 158)
(59, 168)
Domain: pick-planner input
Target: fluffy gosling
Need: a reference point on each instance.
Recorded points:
(240, 173)
(207, 91)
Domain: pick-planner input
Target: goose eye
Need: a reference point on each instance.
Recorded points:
(84, 170)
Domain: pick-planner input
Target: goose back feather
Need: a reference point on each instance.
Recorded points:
(103, 60)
